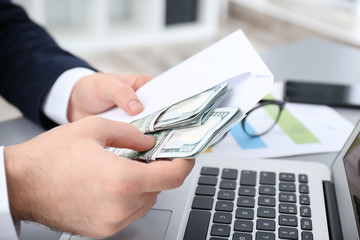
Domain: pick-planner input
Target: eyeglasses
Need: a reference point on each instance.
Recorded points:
(262, 118)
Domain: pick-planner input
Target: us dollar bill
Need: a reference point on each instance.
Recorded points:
(187, 142)
(192, 111)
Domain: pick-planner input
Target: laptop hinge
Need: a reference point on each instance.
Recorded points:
(333, 217)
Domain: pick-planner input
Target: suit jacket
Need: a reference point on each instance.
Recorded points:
(30, 61)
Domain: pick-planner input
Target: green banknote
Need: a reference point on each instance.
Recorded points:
(187, 142)
(192, 111)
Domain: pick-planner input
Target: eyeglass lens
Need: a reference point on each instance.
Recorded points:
(261, 119)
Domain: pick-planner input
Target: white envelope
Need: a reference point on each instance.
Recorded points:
(232, 59)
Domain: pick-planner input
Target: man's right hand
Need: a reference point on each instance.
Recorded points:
(66, 179)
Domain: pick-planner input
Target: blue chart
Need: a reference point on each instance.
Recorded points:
(243, 140)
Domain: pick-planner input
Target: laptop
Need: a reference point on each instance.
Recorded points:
(241, 199)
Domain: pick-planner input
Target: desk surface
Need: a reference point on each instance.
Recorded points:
(311, 59)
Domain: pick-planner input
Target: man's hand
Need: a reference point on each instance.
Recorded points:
(65, 178)
(99, 92)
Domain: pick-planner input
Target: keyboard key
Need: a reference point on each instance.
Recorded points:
(220, 230)
(287, 187)
(207, 180)
(244, 213)
(288, 233)
(265, 224)
(304, 188)
(222, 217)
(266, 201)
(287, 197)
(307, 236)
(266, 212)
(243, 225)
(288, 220)
(303, 178)
(287, 208)
(287, 177)
(216, 238)
(229, 173)
(265, 236)
(304, 199)
(210, 171)
(267, 190)
(248, 178)
(202, 202)
(267, 178)
(205, 190)
(306, 224)
(228, 184)
(242, 236)
(226, 195)
(197, 225)
(246, 202)
(305, 211)
(247, 191)
(225, 206)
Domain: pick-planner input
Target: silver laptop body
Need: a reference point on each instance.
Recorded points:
(324, 200)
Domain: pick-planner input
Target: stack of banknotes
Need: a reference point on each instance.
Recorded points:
(187, 128)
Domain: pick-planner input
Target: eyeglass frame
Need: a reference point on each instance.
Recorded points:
(263, 103)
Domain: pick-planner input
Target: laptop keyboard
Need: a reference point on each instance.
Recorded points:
(247, 205)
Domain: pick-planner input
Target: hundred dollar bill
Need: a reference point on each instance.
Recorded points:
(192, 111)
(187, 142)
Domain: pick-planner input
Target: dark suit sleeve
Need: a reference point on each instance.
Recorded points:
(30, 61)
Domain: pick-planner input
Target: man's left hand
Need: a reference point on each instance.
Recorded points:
(99, 92)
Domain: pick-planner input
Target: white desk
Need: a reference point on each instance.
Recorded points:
(312, 59)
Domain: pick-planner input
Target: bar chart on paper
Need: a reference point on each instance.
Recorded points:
(301, 129)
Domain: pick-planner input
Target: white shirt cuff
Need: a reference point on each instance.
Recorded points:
(7, 227)
(57, 100)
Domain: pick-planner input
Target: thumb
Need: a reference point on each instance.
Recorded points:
(118, 134)
(122, 91)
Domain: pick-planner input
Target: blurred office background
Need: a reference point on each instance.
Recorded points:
(150, 36)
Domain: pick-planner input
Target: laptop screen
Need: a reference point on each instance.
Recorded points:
(352, 168)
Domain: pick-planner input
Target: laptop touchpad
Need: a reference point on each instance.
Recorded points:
(152, 226)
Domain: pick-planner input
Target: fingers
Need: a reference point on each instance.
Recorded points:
(99, 92)
(148, 178)
(135, 81)
(125, 98)
(116, 134)
(121, 91)
(161, 175)
(156, 176)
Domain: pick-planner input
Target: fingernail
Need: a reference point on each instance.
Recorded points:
(135, 106)
(150, 139)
